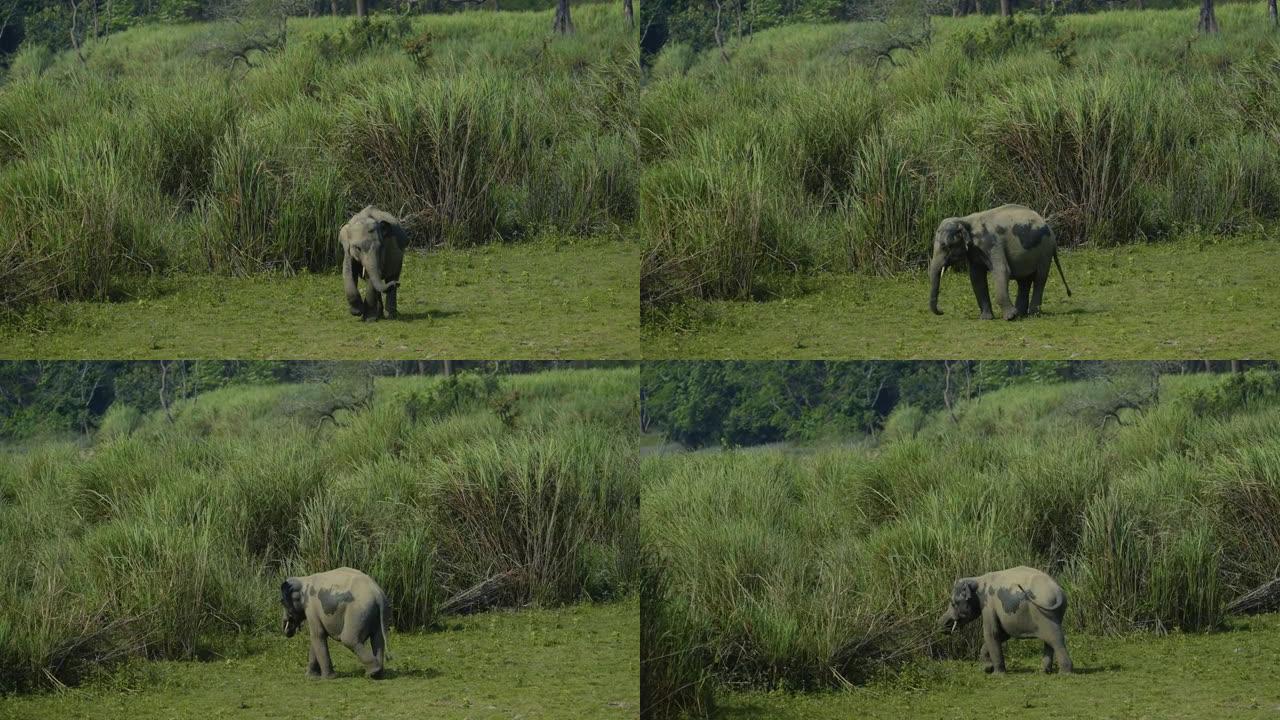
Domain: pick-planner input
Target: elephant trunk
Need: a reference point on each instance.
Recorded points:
(375, 278)
(948, 622)
(936, 266)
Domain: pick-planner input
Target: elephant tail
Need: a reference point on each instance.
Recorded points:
(1058, 600)
(1058, 262)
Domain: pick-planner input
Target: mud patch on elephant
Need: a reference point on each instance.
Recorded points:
(1009, 599)
(331, 601)
(1030, 235)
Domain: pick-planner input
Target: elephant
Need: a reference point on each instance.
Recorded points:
(1011, 241)
(1020, 602)
(373, 244)
(345, 604)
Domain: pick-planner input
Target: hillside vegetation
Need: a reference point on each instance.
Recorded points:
(166, 534)
(803, 154)
(815, 567)
(163, 151)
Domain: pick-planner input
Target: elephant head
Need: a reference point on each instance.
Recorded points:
(364, 241)
(964, 605)
(295, 611)
(950, 246)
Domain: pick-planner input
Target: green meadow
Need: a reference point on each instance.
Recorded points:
(164, 163)
(149, 551)
(799, 570)
(790, 193)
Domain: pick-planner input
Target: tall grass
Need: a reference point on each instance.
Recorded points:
(813, 568)
(162, 538)
(154, 156)
(794, 157)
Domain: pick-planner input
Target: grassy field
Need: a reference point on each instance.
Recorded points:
(581, 661)
(804, 568)
(1133, 302)
(534, 300)
(157, 157)
(164, 535)
(1183, 676)
(800, 159)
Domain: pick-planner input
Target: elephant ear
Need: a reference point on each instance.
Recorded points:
(964, 590)
(289, 588)
(390, 232)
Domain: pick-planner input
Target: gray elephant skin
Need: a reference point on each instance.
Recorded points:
(344, 604)
(373, 244)
(1020, 602)
(1012, 242)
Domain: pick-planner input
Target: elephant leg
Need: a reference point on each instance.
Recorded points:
(1046, 658)
(978, 278)
(313, 665)
(371, 660)
(320, 648)
(351, 270)
(1059, 644)
(372, 304)
(1024, 294)
(1000, 270)
(993, 645)
(985, 659)
(1037, 289)
(391, 302)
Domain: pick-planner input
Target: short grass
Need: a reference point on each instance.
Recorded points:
(541, 300)
(1218, 675)
(580, 661)
(1143, 301)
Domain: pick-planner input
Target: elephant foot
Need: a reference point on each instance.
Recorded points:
(313, 674)
(392, 315)
(374, 674)
(986, 315)
(1010, 314)
(988, 669)
(329, 675)
(371, 318)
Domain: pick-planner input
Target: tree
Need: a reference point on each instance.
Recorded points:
(631, 14)
(562, 23)
(1006, 8)
(1208, 21)
(1271, 13)
(359, 8)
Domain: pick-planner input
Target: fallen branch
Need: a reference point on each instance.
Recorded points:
(1264, 598)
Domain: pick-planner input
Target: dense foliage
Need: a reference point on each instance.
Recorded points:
(165, 534)
(747, 403)
(1154, 505)
(185, 148)
(802, 153)
(54, 398)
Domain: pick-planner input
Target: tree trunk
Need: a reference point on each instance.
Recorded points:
(1006, 8)
(562, 24)
(1138, 4)
(333, 6)
(631, 14)
(448, 368)
(1236, 366)
(1271, 13)
(360, 8)
(1208, 22)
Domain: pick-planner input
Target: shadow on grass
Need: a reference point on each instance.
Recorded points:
(413, 672)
